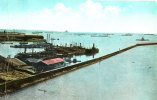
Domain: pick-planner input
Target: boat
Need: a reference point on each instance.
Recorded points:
(99, 35)
(142, 39)
(54, 39)
(23, 43)
(42, 90)
(128, 34)
(66, 31)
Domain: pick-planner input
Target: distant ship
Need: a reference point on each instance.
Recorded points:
(66, 30)
(142, 39)
(99, 35)
(23, 43)
(128, 34)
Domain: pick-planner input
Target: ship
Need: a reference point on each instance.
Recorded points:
(42, 61)
(23, 43)
(142, 39)
(66, 31)
(99, 35)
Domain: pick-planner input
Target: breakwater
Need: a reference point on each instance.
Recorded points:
(12, 86)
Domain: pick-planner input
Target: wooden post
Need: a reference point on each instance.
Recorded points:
(25, 50)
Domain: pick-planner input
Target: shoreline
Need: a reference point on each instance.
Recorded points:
(15, 85)
(21, 37)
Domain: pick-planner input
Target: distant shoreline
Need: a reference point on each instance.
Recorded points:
(9, 36)
(63, 31)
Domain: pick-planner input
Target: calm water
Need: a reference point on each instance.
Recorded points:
(105, 44)
(131, 75)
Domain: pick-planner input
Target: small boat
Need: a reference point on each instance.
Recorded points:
(66, 31)
(142, 39)
(23, 43)
(53, 39)
(42, 90)
(99, 35)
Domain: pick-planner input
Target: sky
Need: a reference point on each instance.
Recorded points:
(132, 16)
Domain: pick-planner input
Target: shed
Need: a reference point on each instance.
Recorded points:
(53, 61)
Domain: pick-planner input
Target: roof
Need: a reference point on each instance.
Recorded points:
(16, 62)
(53, 61)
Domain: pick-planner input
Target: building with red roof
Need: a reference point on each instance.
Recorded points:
(46, 65)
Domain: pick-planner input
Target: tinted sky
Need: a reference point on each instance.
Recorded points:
(136, 16)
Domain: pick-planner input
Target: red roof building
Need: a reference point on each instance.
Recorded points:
(52, 61)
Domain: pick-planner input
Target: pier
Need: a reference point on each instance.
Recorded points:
(33, 79)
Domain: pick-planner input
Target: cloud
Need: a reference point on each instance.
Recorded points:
(48, 11)
(97, 11)
(113, 10)
(91, 9)
(61, 8)
(89, 16)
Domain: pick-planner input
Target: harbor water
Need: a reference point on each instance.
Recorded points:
(131, 75)
(106, 45)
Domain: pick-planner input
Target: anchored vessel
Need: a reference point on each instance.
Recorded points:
(142, 39)
(41, 61)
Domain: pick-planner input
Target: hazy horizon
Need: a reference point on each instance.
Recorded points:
(38, 30)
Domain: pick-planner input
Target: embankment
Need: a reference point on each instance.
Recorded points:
(12, 86)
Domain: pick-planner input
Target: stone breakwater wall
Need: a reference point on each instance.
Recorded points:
(11, 86)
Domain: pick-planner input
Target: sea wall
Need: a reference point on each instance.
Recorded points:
(12, 86)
